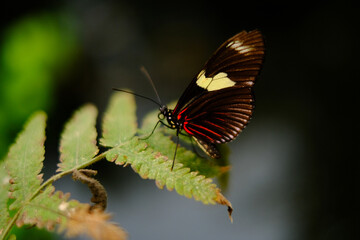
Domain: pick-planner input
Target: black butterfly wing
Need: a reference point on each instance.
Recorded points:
(236, 62)
(240, 57)
(219, 116)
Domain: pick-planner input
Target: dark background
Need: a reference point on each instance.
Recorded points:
(293, 168)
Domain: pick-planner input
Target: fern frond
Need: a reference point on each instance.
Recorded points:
(24, 160)
(153, 165)
(119, 122)
(4, 191)
(164, 144)
(52, 209)
(47, 209)
(150, 158)
(94, 223)
(78, 141)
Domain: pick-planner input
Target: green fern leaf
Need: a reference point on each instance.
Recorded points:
(119, 122)
(153, 165)
(47, 209)
(24, 161)
(78, 141)
(4, 189)
(162, 143)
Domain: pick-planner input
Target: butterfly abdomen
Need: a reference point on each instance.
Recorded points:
(209, 148)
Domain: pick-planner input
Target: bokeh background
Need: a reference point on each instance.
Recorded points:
(294, 168)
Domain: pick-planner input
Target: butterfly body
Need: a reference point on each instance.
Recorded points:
(219, 101)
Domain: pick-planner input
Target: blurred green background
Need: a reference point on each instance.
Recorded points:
(293, 168)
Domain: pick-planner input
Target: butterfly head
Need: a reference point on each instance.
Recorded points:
(168, 114)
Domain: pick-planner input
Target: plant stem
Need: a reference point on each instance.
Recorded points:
(60, 175)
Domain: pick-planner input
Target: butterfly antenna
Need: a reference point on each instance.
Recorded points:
(147, 75)
(138, 95)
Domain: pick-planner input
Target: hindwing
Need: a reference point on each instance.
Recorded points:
(218, 117)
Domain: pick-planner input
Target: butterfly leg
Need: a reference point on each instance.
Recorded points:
(144, 138)
(177, 145)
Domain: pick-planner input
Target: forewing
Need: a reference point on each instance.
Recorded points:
(236, 62)
(240, 57)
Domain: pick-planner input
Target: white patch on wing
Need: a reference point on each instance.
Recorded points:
(238, 46)
(219, 81)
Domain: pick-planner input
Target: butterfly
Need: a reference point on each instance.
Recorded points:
(218, 103)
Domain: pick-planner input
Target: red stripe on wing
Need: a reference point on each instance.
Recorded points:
(179, 115)
(196, 116)
(189, 130)
(206, 129)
